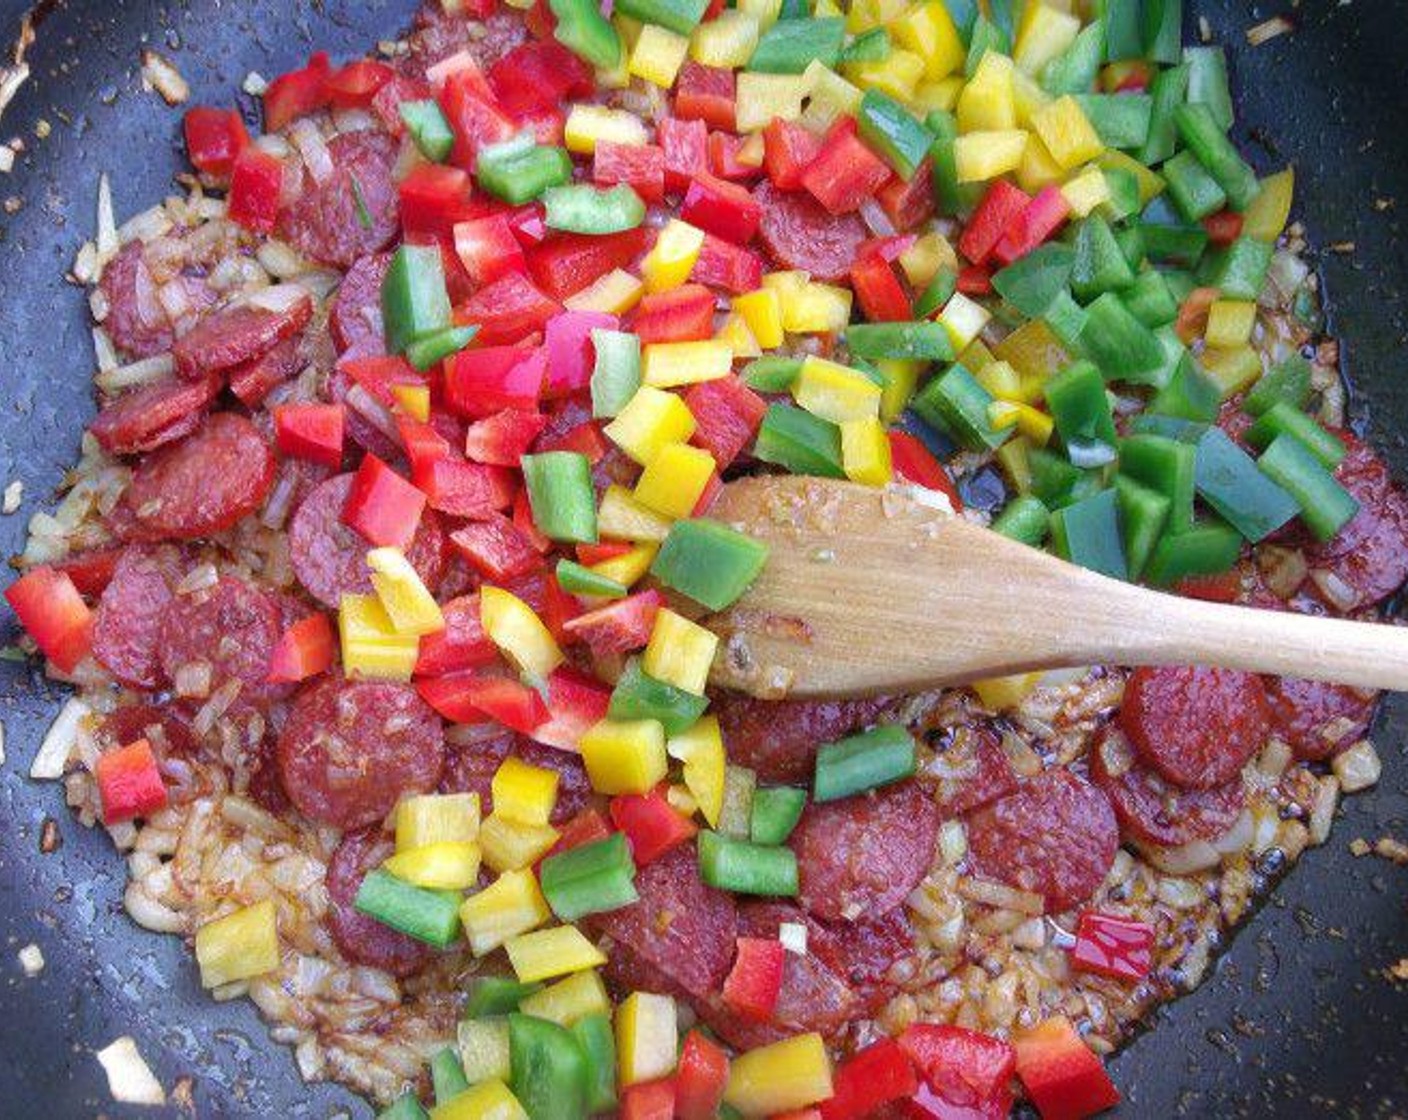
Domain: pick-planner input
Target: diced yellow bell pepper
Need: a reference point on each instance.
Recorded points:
(964, 320)
(976, 356)
(999, 379)
(431, 818)
(762, 311)
(484, 1049)
(752, 151)
(923, 259)
(587, 124)
(986, 103)
(413, 400)
(942, 94)
(1037, 168)
(1233, 369)
(1031, 422)
(681, 800)
(1151, 184)
(650, 419)
(701, 749)
(1268, 212)
(671, 259)
(489, 1100)
(623, 518)
(524, 793)
(1067, 133)
(615, 293)
(629, 567)
(999, 694)
(831, 94)
(573, 998)
(411, 608)
(674, 481)
(449, 865)
(980, 156)
(520, 634)
(862, 15)
(239, 946)
(647, 1037)
(1002, 414)
(734, 333)
(835, 392)
(1043, 33)
(897, 75)
(764, 11)
(371, 645)
(509, 845)
(546, 953)
(624, 756)
(740, 784)
(1027, 98)
(1230, 323)
(1012, 459)
(865, 451)
(667, 364)
(658, 55)
(760, 97)
(787, 285)
(727, 41)
(928, 31)
(793, 1073)
(901, 377)
(816, 309)
(827, 9)
(1085, 191)
(680, 652)
(509, 906)
(1035, 352)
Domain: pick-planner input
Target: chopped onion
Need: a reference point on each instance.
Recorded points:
(279, 297)
(1181, 894)
(198, 579)
(2, 744)
(1196, 855)
(306, 137)
(142, 372)
(32, 959)
(453, 64)
(875, 218)
(104, 353)
(1322, 809)
(146, 226)
(1000, 896)
(793, 936)
(192, 680)
(175, 298)
(1358, 767)
(280, 260)
(1238, 838)
(254, 84)
(360, 401)
(130, 1079)
(159, 74)
(352, 120)
(1337, 591)
(107, 224)
(60, 741)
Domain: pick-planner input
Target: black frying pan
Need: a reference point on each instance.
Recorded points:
(1296, 1021)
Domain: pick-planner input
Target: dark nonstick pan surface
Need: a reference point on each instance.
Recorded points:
(1298, 1018)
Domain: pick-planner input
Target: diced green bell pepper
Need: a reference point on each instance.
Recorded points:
(1169, 89)
(561, 496)
(447, 1075)
(1217, 154)
(1193, 190)
(1227, 478)
(1078, 404)
(899, 340)
(1189, 394)
(598, 1042)
(936, 293)
(518, 170)
(404, 1107)
(578, 580)
(1099, 265)
(1121, 120)
(1163, 30)
(1325, 506)
(1207, 82)
(708, 561)
(1026, 519)
(590, 878)
(789, 46)
(588, 34)
(1166, 465)
(433, 349)
(414, 301)
(1075, 70)
(1166, 237)
(496, 995)
(799, 442)
(615, 371)
(583, 208)
(895, 136)
(873, 758)
(1288, 380)
(549, 1075)
(1088, 533)
(426, 915)
(964, 14)
(771, 374)
(679, 16)
(1150, 300)
(1143, 515)
(986, 36)
(1284, 418)
(1123, 347)
(747, 868)
(957, 404)
(428, 128)
(775, 813)
(868, 46)
(1124, 30)
(1239, 269)
(1032, 283)
(1055, 482)
(1206, 548)
(1066, 318)
(640, 696)
(952, 199)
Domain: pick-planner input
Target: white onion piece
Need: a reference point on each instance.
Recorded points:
(60, 741)
(304, 135)
(1196, 855)
(875, 218)
(107, 224)
(142, 372)
(1358, 767)
(1238, 838)
(362, 402)
(279, 297)
(793, 936)
(130, 1079)
(453, 64)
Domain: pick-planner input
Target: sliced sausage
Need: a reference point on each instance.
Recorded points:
(969, 769)
(239, 334)
(863, 855)
(165, 726)
(330, 558)
(156, 414)
(439, 34)
(355, 316)
(1055, 836)
(137, 321)
(799, 233)
(351, 749)
(254, 380)
(364, 940)
(779, 739)
(1316, 719)
(127, 623)
(355, 211)
(1196, 726)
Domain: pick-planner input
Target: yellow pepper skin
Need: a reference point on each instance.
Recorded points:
(1044, 32)
(520, 634)
(489, 1100)
(1269, 211)
(547, 953)
(928, 31)
(615, 293)
(668, 364)
(509, 906)
(630, 567)
(624, 756)
(651, 419)
(1067, 133)
(411, 608)
(674, 481)
(447, 865)
(658, 55)
(371, 644)
(239, 946)
(572, 998)
(786, 1075)
(623, 518)
(980, 156)
(434, 817)
(587, 124)
(680, 652)
(1230, 323)
(509, 845)
(728, 40)
(671, 259)
(865, 451)
(413, 400)
(701, 749)
(986, 103)
(835, 392)
(524, 793)
(762, 311)
(1000, 694)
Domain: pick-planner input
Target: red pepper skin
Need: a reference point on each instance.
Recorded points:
(306, 649)
(353, 85)
(1222, 588)
(845, 172)
(422, 443)
(503, 438)
(723, 158)
(721, 208)
(470, 698)
(527, 223)
(722, 264)
(889, 248)
(907, 203)
(382, 505)
(683, 314)
(91, 571)
(788, 150)
(878, 290)
(963, 1069)
(480, 383)
(461, 645)
(975, 280)
(755, 980)
(586, 827)
(523, 518)
(214, 138)
(297, 93)
(564, 264)
(1113, 946)
(584, 438)
(495, 548)
(618, 627)
(434, 197)
(310, 431)
(706, 93)
(473, 118)
(990, 221)
(541, 591)
(651, 824)
(700, 1078)
(589, 554)
(879, 1074)
(570, 354)
(507, 311)
(1224, 227)
(727, 415)
(1062, 1076)
(708, 496)
(464, 489)
(488, 249)
(1042, 217)
(53, 613)
(576, 702)
(640, 166)
(798, 1114)
(686, 148)
(255, 183)
(913, 463)
(129, 782)
(539, 75)
(649, 1100)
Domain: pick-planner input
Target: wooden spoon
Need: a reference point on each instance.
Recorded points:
(868, 591)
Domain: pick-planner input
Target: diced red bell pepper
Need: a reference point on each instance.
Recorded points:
(508, 310)
(310, 431)
(874, 1077)
(640, 166)
(464, 489)
(473, 118)
(538, 75)
(686, 148)
(727, 415)
(651, 824)
(586, 827)
(503, 438)
(382, 505)
(379, 374)
(789, 149)
(297, 93)
(54, 614)
(1225, 587)
(354, 84)
(889, 248)
(798, 1114)
(913, 463)
(990, 221)
(1062, 1075)
(129, 782)
(564, 264)
(255, 184)
(589, 554)
(488, 249)
(1224, 227)
(621, 626)
(845, 172)
(649, 1100)
(974, 280)
(1038, 220)
(700, 1078)
(722, 208)
(570, 354)
(495, 548)
(461, 645)
(91, 570)
(584, 438)
(540, 19)
(528, 223)
(386, 102)
(421, 441)
(713, 487)
(755, 980)
(214, 137)
(722, 264)
(683, 314)
(576, 702)
(523, 518)
(470, 698)
(434, 198)
(909, 202)
(878, 290)
(304, 650)
(706, 93)
(480, 383)
(1113, 946)
(963, 1069)
(723, 158)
